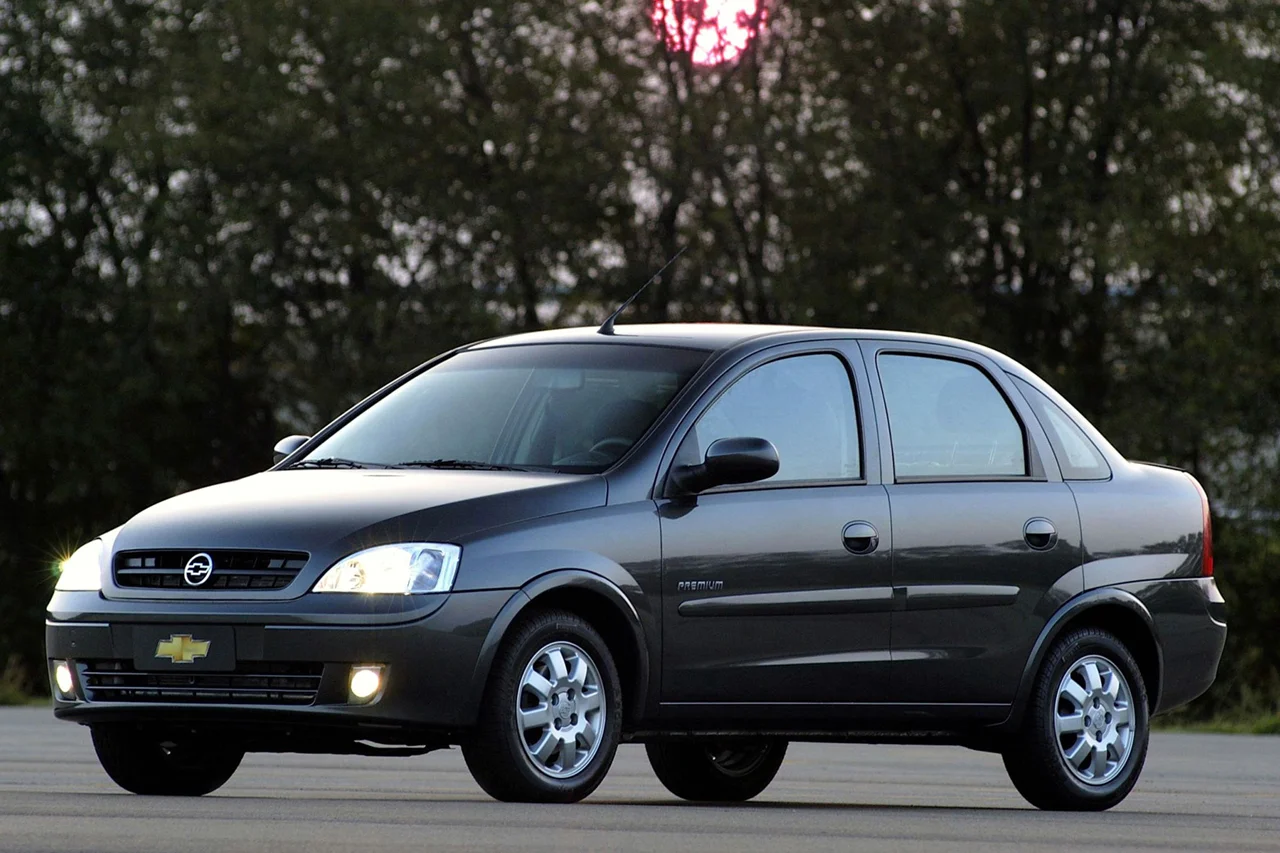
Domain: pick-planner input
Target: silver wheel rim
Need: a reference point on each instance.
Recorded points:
(560, 710)
(1093, 720)
(737, 760)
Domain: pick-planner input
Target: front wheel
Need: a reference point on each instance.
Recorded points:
(716, 771)
(179, 766)
(552, 714)
(1084, 739)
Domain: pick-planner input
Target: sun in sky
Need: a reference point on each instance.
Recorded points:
(710, 31)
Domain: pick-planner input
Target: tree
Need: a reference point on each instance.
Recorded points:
(225, 220)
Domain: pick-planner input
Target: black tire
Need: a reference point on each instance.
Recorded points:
(716, 771)
(1036, 762)
(181, 766)
(496, 752)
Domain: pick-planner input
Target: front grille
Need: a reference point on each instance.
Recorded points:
(232, 570)
(252, 683)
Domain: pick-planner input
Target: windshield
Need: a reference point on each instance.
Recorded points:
(574, 408)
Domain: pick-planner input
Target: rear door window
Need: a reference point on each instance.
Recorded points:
(949, 420)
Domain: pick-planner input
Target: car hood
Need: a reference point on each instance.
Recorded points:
(330, 513)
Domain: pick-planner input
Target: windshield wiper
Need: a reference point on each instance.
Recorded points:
(459, 465)
(331, 463)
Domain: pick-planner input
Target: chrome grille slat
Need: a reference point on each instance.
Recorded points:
(233, 570)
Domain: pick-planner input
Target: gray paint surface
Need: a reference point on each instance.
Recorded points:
(1199, 792)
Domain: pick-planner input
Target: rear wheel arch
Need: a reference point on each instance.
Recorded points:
(1138, 635)
(1113, 610)
(596, 600)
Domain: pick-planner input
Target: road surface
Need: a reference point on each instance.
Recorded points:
(1198, 793)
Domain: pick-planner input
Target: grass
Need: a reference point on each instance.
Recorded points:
(1262, 724)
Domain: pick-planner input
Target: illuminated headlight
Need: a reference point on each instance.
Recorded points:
(411, 567)
(82, 571)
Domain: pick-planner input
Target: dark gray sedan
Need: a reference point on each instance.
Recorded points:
(709, 539)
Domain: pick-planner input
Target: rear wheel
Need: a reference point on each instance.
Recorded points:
(552, 714)
(184, 765)
(1084, 739)
(716, 770)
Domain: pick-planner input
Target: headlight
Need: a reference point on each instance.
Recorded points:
(82, 571)
(395, 570)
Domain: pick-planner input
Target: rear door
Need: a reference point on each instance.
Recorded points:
(765, 602)
(986, 533)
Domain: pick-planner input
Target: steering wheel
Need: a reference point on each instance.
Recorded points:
(618, 446)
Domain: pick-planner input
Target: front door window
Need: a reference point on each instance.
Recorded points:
(803, 404)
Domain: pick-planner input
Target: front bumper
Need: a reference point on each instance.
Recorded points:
(292, 662)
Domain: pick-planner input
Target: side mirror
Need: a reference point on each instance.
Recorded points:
(286, 446)
(730, 461)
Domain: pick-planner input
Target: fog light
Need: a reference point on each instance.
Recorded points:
(62, 677)
(366, 681)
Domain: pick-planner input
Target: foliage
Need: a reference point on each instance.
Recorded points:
(223, 220)
(15, 688)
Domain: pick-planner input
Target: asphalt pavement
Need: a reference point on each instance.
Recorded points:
(1198, 792)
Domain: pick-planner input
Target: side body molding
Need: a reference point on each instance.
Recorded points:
(1103, 596)
(559, 580)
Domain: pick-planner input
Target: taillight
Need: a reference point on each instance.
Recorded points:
(1206, 560)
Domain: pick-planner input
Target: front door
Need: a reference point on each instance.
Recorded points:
(986, 535)
(779, 592)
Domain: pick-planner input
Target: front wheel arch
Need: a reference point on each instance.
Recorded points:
(600, 603)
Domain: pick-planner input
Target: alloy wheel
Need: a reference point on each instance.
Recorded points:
(1093, 720)
(561, 710)
(738, 760)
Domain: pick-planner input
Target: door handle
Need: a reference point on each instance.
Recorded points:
(1040, 534)
(861, 537)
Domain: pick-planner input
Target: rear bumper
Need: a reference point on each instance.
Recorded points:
(1190, 620)
(430, 666)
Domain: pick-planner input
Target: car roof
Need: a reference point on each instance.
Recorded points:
(715, 336)
(707, 336)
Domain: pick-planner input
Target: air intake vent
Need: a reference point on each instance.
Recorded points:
(232, 570)
(252, 683)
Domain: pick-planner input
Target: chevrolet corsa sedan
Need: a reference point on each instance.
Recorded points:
(711, 540)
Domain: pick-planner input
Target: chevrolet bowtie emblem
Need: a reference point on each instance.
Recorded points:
(180, 648)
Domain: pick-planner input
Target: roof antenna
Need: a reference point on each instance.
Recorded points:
(606, 328)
